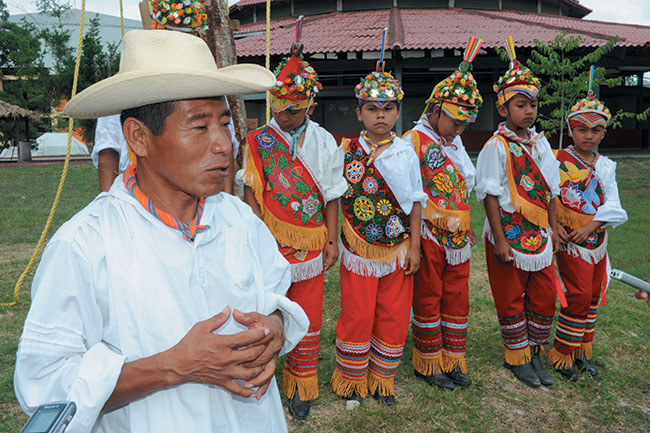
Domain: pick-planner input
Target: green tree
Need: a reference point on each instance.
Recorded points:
(98, 61)
(21, 56)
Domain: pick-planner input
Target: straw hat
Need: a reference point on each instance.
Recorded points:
(159, 66)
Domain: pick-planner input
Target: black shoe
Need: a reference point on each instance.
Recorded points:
(587, 365)
(354, 396)
(386, 400)
(525, 373)
(299, 408)
(544, 377)
(458, 377)
(441, 380)
(568, 373)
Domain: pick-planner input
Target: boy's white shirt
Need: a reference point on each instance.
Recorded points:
(400, 168)
(322, 156)
(492, 179)
(457, 154)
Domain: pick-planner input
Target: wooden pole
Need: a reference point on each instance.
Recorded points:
(222, 45)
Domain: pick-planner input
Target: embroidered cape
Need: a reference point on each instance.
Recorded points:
(291, 203)
(447, 213)
(529, 192)
(374, 225)
(581, 194)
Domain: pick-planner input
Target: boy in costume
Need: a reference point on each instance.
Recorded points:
(516, 178)
(293, 176)
(587, 205)
(441, 289)
(380, 246)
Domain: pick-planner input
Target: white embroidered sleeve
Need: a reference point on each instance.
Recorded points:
(610, 212)
(61, 355)
(276, 274)
(490, 171)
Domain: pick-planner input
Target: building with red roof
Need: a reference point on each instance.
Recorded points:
(342, 39)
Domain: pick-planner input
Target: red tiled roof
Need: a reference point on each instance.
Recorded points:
(243, 3)
(413, 29)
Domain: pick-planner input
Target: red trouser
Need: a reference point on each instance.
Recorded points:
(525, 303)
(371, 332)
(300, 368)
(440, 310)
(575, 324)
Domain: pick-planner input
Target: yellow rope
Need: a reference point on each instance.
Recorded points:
(121, 20)
(64, 172)
(268, 57)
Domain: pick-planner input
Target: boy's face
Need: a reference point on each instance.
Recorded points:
(519, 111)
(289, 119)
(587, 139)
(444, 125)
(378, 121)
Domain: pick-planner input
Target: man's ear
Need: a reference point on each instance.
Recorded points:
(311, 108)
(359, 114)
(137, 135)
(502, 110)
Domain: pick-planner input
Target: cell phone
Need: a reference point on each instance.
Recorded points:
(51, 418)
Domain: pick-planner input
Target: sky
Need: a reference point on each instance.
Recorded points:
(622, 11)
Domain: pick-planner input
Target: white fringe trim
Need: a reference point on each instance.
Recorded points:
(365, 267)
(589, 256)
(307, 270)
(452, 256)
(527, 262)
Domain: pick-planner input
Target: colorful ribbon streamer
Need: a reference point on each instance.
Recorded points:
(473, 48)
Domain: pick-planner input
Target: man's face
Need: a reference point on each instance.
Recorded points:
(192, 154)
(520, 111)
(289, 119)
(378, 121)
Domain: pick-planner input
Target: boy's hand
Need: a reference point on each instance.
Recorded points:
(330, 254)
(562, 234)
(579, 235)
(412, 261)
(503, 251)
(555, 240)
(472, 237)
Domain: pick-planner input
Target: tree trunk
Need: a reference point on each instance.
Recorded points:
(222, 44)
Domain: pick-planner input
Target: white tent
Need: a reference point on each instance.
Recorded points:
(56, 144)
(51, 145)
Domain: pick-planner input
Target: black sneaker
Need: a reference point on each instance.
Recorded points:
(458, 377)
(587, 365)
(544, 377)
(441, 380)
(299, 408)
(354, 396)
(525, 373)
(386, 400)
(568, 373)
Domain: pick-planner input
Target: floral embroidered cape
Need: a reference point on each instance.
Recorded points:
(374, 225)
(581, 193)
(447, 213)
(291, 203)
(529, 192)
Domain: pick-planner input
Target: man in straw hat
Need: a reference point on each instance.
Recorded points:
(138, 304)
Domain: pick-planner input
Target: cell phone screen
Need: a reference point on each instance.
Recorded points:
(43, 420)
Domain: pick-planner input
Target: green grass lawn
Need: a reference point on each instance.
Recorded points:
(617, 400)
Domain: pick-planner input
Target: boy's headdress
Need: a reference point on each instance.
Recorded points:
(589, 111)
(182, 15)
(458, 94)
(518, 79)
(379, 87)
(296, 80)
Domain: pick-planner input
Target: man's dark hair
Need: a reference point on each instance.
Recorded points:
(152, 115)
